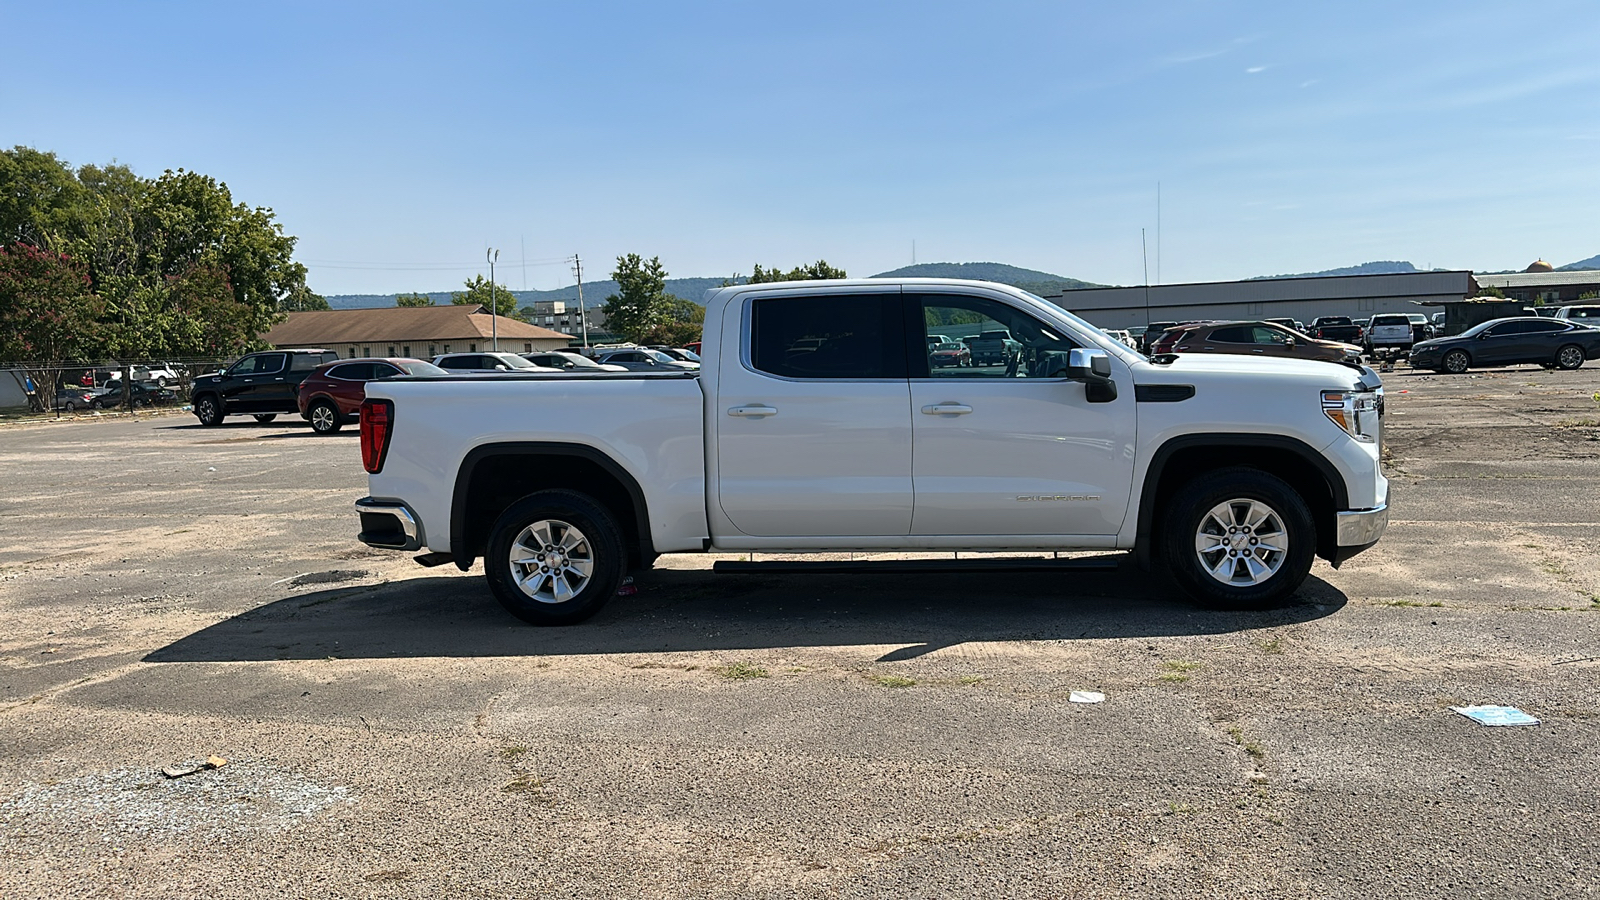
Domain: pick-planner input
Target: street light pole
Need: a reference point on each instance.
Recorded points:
(494, 308)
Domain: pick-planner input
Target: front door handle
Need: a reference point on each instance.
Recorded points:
(946, 409)
(752, 412)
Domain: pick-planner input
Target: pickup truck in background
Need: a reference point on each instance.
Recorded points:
(817, 423)
(994, 348)
(1336, 328)
(1391, 334)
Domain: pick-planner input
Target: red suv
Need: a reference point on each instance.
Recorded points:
(332, 395)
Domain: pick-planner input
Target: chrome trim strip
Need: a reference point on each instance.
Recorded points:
(408, 521)
(1360, 527)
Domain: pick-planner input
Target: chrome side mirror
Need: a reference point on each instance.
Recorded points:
(1093, 368)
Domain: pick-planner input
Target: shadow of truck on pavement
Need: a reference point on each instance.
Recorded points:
(681, 610)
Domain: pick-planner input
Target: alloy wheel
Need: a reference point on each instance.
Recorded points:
(1241, 542)
(551, 561)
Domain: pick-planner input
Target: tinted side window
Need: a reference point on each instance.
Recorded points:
(270, 363)
(832, 336)
(305, 362)
(1263, 335)
(1534, 327)
(352, 371)
(1506, 328)
(1238, 334)
(383, 370)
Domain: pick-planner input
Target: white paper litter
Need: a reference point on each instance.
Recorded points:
(1086, 697)
(1496, 715)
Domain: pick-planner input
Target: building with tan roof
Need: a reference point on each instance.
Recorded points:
(420, 332)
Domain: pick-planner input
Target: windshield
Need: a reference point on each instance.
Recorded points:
(658, 356)
(1478, 329)
(515, 361)
(693, 356)
(576, 361)
(951, 346)
(421, 368)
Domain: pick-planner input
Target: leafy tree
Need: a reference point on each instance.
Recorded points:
(477, 294)
(685, 320)
(48, 315)
(641, 302)
(413, 300)
(817, 271)
(151, 244)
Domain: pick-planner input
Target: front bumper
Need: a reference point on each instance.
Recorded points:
(1359, 529)
(389, 525)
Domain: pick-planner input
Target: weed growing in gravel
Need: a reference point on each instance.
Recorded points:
(970, 680)
(1178, 809)
(524, 784)
(1250, 747)
(510, 753)
(1578, 423)
(1177, 670)
(740, 672)
(893, 681)
(1272, 645)
(1414, 603)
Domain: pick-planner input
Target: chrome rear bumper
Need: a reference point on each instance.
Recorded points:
(388, 524)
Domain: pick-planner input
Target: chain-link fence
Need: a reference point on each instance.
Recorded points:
(80, 386)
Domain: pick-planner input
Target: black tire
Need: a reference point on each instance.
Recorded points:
(1569, 357)
(602, 546)
(208, 409)
(324, 417)
(264, 418)
(1455, 362)
(1191, 510)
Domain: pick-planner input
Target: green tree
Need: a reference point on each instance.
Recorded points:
(150, 244)
(817, 271)
(504, 303)
(641, 302)
(48, 316)
(413, 300)
(685, 321)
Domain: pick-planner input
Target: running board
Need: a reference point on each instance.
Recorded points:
(919, 566)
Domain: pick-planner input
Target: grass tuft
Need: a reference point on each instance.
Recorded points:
(893, 681)
(740, 672)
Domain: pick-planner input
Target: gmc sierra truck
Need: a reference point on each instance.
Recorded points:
(816, 423)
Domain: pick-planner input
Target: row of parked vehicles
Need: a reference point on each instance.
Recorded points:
(327, 391)
(1563, 341)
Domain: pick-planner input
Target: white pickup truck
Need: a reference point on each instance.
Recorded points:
(816, 423)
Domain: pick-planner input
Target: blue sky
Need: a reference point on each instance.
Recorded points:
(398, 140)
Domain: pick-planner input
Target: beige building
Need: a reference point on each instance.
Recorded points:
(419, 332)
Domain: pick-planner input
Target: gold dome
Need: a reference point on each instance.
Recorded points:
(1539, 265)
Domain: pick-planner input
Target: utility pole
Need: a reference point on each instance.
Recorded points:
(583, 314)
(494, 308)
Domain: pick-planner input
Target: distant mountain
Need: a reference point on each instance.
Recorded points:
(1041, 283)
(1592, 262)
(1380, 267)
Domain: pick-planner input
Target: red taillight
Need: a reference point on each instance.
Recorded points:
(377, 424)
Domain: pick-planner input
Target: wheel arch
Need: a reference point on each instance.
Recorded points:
(494, 476)
(1181, 458)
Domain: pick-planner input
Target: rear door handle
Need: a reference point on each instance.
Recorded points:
(752, 412)
(946, 409)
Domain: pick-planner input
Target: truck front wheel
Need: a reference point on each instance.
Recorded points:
(1239, 538)
(555, 557)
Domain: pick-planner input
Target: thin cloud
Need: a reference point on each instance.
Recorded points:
(1254, 69)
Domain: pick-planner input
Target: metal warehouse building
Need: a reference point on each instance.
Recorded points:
(1357, 296)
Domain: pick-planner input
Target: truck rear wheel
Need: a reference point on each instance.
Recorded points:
(1239, 538)
(555, 557)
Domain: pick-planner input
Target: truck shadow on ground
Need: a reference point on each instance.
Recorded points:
(676, 611)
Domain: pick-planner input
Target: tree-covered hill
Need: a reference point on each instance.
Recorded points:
(1042, 283)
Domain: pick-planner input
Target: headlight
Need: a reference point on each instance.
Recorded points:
(1359, 413)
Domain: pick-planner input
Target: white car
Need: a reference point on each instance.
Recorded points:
(1230, 473)
(568, 362)
(489, 363)
(1585, 313)
(643, 359)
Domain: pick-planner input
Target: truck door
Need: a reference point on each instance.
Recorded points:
(812, 416)
(1023, 453)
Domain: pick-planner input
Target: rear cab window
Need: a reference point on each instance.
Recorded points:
(852, 336)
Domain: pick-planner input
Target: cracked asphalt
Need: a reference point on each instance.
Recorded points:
(169, 592)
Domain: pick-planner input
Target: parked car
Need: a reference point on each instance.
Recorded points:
(643, 359)
(949, 353)
(1123, 337)
(680, 354)
(1336, 328)
(331, 395)
(141, 393)
(1390, 334)
(1294, 325)
(1253, 338)
(569, 362)
(995, 347)
(73, 398)
(1578, 312)
(1230, 475)
(1553, 343)
(162, 374)
(260, 384)
(1153, 331)
(488, 363)
(939, 339)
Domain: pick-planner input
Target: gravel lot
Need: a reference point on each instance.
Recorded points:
(169, 592)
